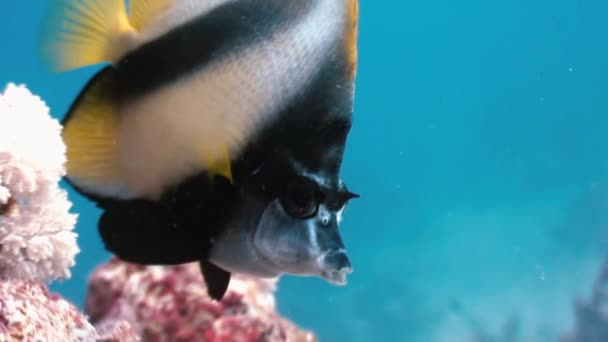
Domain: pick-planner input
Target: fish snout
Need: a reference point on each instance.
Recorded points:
(335, 266)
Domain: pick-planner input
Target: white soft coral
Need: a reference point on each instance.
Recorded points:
(37, 241)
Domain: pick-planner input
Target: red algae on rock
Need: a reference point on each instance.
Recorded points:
(29, 312)
(170, 303)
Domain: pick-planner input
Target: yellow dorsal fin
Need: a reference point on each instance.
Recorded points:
(142, 12)
(78, 33)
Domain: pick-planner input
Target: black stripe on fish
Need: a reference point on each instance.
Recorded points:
(226, 29)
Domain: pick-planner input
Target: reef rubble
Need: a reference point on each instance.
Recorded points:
(170, 303)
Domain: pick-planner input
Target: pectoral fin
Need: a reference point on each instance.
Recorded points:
(147, 233)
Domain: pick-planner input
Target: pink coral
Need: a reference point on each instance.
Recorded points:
(29, 312)
(115, 331)
(171, 304)
(36, 227)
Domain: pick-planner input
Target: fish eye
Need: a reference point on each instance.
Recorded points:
(300, 198)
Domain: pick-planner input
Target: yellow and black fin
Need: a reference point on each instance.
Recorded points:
(218, 161)
(79, 33)
(142, 12)
(90, 135)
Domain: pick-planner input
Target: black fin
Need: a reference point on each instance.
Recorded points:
(146, 232)
(216, 278)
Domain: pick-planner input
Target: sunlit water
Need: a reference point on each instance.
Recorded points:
(480, 150)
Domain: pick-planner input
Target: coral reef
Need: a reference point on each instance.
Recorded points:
(590, 320)
(28, 312)
(37, 241)
(170, 303)
(36, 227)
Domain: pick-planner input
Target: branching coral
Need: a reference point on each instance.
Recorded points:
(37, 241)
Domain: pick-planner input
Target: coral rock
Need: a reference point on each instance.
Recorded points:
(170, 303)
(36, 227)
(29, 312)
(37, 242)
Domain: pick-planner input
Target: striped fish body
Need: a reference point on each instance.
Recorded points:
(256, 92)
(205, 81)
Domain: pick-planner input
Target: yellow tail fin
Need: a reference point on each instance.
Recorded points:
(78, 33)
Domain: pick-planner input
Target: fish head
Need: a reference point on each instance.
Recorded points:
(298, 231)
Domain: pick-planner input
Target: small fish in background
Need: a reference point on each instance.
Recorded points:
(216, 131)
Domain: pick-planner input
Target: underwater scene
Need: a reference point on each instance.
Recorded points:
(304, 170)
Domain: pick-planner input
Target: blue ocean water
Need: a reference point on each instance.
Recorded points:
(480, 150)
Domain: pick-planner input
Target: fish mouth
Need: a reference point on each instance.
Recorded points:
(337, 277)
(335, 267)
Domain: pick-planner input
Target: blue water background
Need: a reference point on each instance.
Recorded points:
(480, 149)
